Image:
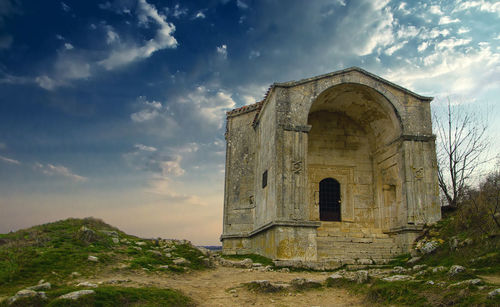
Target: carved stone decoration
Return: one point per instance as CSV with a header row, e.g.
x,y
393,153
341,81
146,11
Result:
x,y
418,173
297,167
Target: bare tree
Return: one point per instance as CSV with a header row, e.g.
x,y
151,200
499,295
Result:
x,y
461,148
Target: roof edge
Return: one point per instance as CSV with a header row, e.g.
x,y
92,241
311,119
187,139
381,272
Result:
x,y
354,68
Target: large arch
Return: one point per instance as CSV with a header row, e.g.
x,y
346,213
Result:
x,y
350,125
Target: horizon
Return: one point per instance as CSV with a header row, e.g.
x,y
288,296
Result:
x,y
116,109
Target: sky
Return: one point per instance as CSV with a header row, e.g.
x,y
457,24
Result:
x,y
116,109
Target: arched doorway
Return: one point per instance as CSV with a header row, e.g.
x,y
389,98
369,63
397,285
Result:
x,y
329,200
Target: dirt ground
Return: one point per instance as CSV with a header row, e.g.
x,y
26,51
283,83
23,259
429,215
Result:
x,y
222,287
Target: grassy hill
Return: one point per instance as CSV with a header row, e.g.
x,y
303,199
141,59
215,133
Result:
x,y
61,251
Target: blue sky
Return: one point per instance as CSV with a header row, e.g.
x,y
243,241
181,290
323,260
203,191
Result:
x,y
115,109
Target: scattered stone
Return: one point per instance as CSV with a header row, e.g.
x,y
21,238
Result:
x,y
453,243
361,277
40,286
466,242
157,253
115,240
137,248
232,291
93,259
429,247
302,283
110,233
429,282
204,251
336,276
245,263
168,255
76,294
163,267
25,293
398,278
284,270
140,243
439,269
87,284
75,274
494,293
420,273
181,261
267,286
475,282
256,265
455,269
115,281
413,260
365,261
86,235
419,267
441,284
399,270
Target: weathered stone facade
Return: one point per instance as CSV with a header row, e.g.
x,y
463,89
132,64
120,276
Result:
x,y
365,141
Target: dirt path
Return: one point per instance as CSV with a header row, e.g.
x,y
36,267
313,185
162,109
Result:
x,y
212,288
492,279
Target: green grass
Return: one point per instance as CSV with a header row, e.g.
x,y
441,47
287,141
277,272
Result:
x,y
53,251
111,296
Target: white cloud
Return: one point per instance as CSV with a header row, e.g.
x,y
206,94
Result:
x,y
8,160
200,15
484,6
145,148
423,46
151,110
163,39
172,168
65,7
68,46
179,11
254,54
447,20
242,5
210,105
433,33
46,82
381,30
407,31
58,170
435,9
463,30
389,51
452,43
222,50
111,35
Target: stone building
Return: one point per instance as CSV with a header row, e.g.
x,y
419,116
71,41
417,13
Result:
x,y
332,169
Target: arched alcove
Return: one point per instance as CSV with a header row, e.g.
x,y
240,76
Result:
x,y
350,125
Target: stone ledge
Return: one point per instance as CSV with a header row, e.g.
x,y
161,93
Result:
x,y
407,228
270,225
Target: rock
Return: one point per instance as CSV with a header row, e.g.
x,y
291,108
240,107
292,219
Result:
x,y
494,293
336,276
398,278
413,260
40,286
75,274
207,262
284,270
466,242
163,266
140,243
24,294
93,259
361,277
87,284
420,273
76,294
453,243
419,267
475,282
110,233
137,248
267,286
455,269
181,261
365,261
115,240
245,263
429,282
204,251
399,270
303,283
429,247
168,255
86,235
157,253
256,265
439,269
